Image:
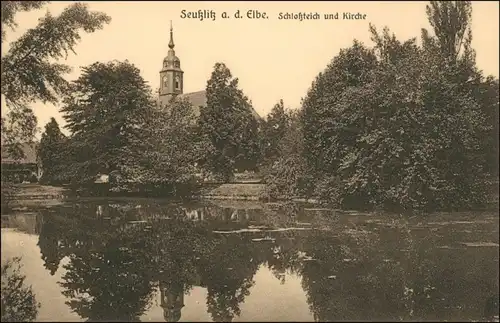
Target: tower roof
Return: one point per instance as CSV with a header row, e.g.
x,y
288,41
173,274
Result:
x,y
171,44
171,60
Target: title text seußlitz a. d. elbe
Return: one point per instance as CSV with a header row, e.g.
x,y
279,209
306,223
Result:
x,y
211,14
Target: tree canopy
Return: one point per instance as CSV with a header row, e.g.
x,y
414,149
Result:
x,y
31,70
402,126
51,152
107,109
229,125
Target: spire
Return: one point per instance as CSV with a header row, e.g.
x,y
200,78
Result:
x,y
171,42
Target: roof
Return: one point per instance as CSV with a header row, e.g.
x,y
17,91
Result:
x,y
30,154
199,99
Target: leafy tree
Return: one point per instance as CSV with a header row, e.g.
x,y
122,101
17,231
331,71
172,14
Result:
x,y
19,126
172,151
51,151
30,71
273,131
401,125
487,96
228,123
419,145
107,109
451,22
351,68
19,303
288,176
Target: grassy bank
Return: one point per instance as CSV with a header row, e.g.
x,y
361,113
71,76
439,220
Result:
x,y
236,191
25,196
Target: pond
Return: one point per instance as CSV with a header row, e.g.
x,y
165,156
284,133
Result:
x,y
150,260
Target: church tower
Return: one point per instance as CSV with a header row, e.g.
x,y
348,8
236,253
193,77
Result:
x,y
171,75
171,300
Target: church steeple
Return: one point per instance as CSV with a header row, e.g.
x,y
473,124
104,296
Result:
x,y
171,75
171,42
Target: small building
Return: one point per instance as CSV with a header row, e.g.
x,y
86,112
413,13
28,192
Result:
x,y
19,170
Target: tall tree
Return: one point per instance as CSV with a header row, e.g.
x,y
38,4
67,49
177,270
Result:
x,y
229,124
30,68
288,176
107,109
273,131
51,151
451,22
173,148
418,147
351,68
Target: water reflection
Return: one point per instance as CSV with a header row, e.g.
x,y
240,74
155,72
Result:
x,y
122,256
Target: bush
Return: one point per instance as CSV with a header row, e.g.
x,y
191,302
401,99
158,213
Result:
x,y
7,193
287,179
18,301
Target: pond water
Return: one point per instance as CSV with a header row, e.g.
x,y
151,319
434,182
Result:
x,y
149,260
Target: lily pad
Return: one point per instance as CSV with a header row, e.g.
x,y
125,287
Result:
x,y
480,244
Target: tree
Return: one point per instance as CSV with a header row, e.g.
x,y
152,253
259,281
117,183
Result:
x,y
351,68
401,126
107,109
51,152
19,303
273,131
487,95
173,149
418,146
451,22
18,127
288,176
228,123
29,73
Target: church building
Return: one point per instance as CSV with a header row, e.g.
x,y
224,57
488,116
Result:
x,y
172,82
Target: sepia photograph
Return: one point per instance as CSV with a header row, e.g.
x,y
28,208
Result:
x,y
251,161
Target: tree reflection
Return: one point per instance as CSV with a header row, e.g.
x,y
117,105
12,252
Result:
x,y
393,273
112,283
108,276
350,269
228,271
48,242
18,300
179,246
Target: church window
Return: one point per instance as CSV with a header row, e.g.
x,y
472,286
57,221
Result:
x,y
165,81
177,82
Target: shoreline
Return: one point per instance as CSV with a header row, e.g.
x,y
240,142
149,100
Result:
x,y
35,196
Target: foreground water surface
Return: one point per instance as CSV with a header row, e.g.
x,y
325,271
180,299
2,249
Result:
x,y
150,260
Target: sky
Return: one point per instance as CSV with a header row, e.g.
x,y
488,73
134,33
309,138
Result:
x,y
273,59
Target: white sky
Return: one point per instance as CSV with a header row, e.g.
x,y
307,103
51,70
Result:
x,y
272,58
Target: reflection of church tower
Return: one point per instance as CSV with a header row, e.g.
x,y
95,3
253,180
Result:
x,y
172,301
171,75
